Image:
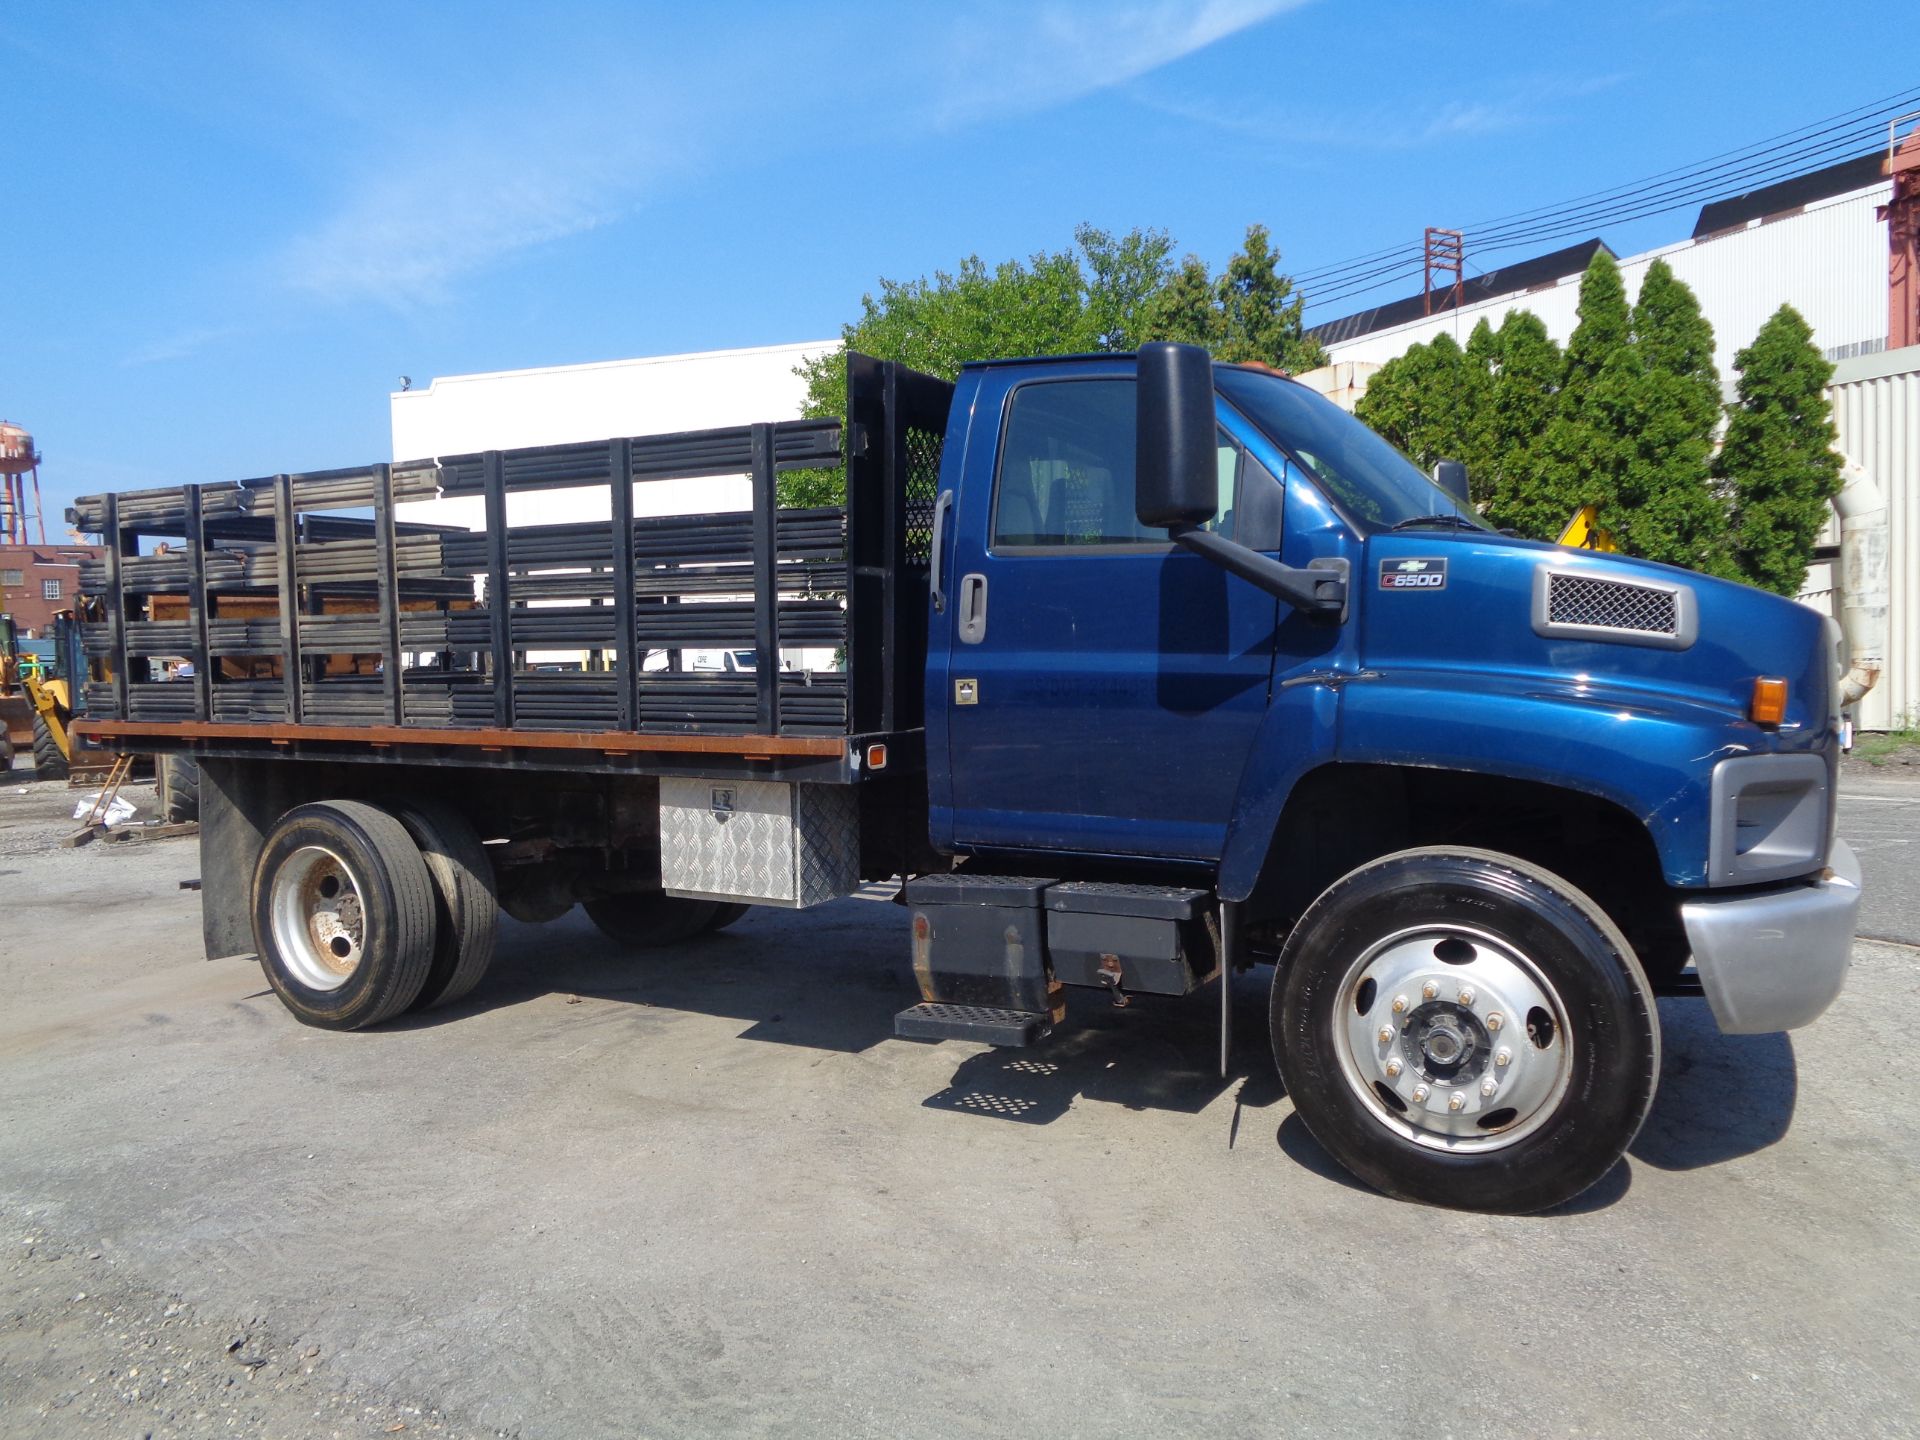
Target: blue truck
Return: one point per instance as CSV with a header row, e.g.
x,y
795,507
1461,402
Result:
x,y
1154,670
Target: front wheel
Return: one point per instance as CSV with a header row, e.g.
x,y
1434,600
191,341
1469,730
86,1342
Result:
x,y
49,760
1462,1028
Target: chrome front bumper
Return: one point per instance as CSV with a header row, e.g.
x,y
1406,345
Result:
x,y
1776,960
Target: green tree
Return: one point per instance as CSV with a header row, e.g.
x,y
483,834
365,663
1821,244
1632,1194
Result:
x,y
1778,459
1260,316
1662,502
1183,309
1581,450
1106,293
1526,397
1431,402
1123,275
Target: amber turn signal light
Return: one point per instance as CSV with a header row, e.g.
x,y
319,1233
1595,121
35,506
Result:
x,y
876,757
1769,705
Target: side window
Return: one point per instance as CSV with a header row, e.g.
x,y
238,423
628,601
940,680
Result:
x,y
1066,468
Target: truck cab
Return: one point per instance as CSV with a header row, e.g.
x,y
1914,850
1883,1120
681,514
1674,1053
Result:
x,y
1198,625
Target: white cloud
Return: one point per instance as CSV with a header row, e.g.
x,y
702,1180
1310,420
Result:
x,y
1401,126
1026,57
178,345
434,204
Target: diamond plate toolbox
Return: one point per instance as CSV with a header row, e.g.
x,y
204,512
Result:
x,y
764,841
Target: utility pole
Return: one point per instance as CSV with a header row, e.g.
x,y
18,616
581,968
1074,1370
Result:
x,y
1446,254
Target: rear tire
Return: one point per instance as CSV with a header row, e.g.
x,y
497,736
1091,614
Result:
x,y
179,789
466,905
648,921
1462,1028
725,914
343,914
48,761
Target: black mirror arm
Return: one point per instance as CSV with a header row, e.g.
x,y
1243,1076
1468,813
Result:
x,y
1316,591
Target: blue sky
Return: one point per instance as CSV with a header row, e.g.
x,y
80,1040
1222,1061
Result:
x,y
231,228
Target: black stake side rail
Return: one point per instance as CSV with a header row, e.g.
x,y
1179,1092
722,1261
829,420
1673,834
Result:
x,y
292,617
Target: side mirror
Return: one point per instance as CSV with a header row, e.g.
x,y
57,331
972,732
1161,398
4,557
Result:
x,y
1451,476
1176,465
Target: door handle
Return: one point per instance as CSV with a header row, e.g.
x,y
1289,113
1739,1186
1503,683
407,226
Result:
x,y
973,609
934,586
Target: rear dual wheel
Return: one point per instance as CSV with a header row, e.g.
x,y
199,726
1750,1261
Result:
x,y
650,921
360,914
1462,1028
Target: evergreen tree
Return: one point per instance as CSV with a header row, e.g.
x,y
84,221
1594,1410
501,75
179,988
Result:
x,y
1260,316
1183,309
1778,460
1416,400
1662,503
1526,396
1582,451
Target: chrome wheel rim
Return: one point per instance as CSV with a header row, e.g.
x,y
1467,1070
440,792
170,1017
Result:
x,y
1453,1038
319,923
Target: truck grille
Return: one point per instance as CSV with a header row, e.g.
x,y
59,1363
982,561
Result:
x,y
1611,605
1579,605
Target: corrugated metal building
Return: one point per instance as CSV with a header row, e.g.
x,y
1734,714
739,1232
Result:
x,y
1876,407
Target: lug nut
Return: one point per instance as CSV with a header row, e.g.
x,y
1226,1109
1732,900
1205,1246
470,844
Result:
x,y
1489,1085
1456,1101
1496,1020
1393,1067
1386,1034
1503,1057
1429,990
1399,1004
1466,997
1420,1093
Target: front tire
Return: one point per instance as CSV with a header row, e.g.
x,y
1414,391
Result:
x,y
49,763
1461,1028
179,788
343,914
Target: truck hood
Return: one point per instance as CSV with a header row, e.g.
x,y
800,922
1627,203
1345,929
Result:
x,y
1472,602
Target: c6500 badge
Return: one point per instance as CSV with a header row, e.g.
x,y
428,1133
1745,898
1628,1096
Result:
x,y
1421,573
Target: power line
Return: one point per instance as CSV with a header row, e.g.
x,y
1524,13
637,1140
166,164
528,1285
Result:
x,y
1877,112
1730,173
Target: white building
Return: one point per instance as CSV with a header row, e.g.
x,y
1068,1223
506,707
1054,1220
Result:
x,y
603,400
1813,242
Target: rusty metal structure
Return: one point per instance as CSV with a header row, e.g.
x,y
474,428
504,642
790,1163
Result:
x,y
19,462
1445,254
1902,214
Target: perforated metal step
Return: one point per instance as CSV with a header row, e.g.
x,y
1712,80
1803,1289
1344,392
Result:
x,y
980,1023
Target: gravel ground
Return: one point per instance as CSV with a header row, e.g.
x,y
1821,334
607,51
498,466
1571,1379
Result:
x,y
706,1193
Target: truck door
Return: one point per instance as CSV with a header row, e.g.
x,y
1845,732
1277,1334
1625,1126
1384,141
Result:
x,y
1103,686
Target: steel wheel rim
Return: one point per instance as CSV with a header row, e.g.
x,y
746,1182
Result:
x,y
318,918
1453,1038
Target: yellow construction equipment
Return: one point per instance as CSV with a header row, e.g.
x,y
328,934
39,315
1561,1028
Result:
x,y
1584,532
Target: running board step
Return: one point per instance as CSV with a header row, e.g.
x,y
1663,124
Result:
x,y
980,1023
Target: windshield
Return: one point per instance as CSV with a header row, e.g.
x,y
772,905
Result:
x,y
1361,473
